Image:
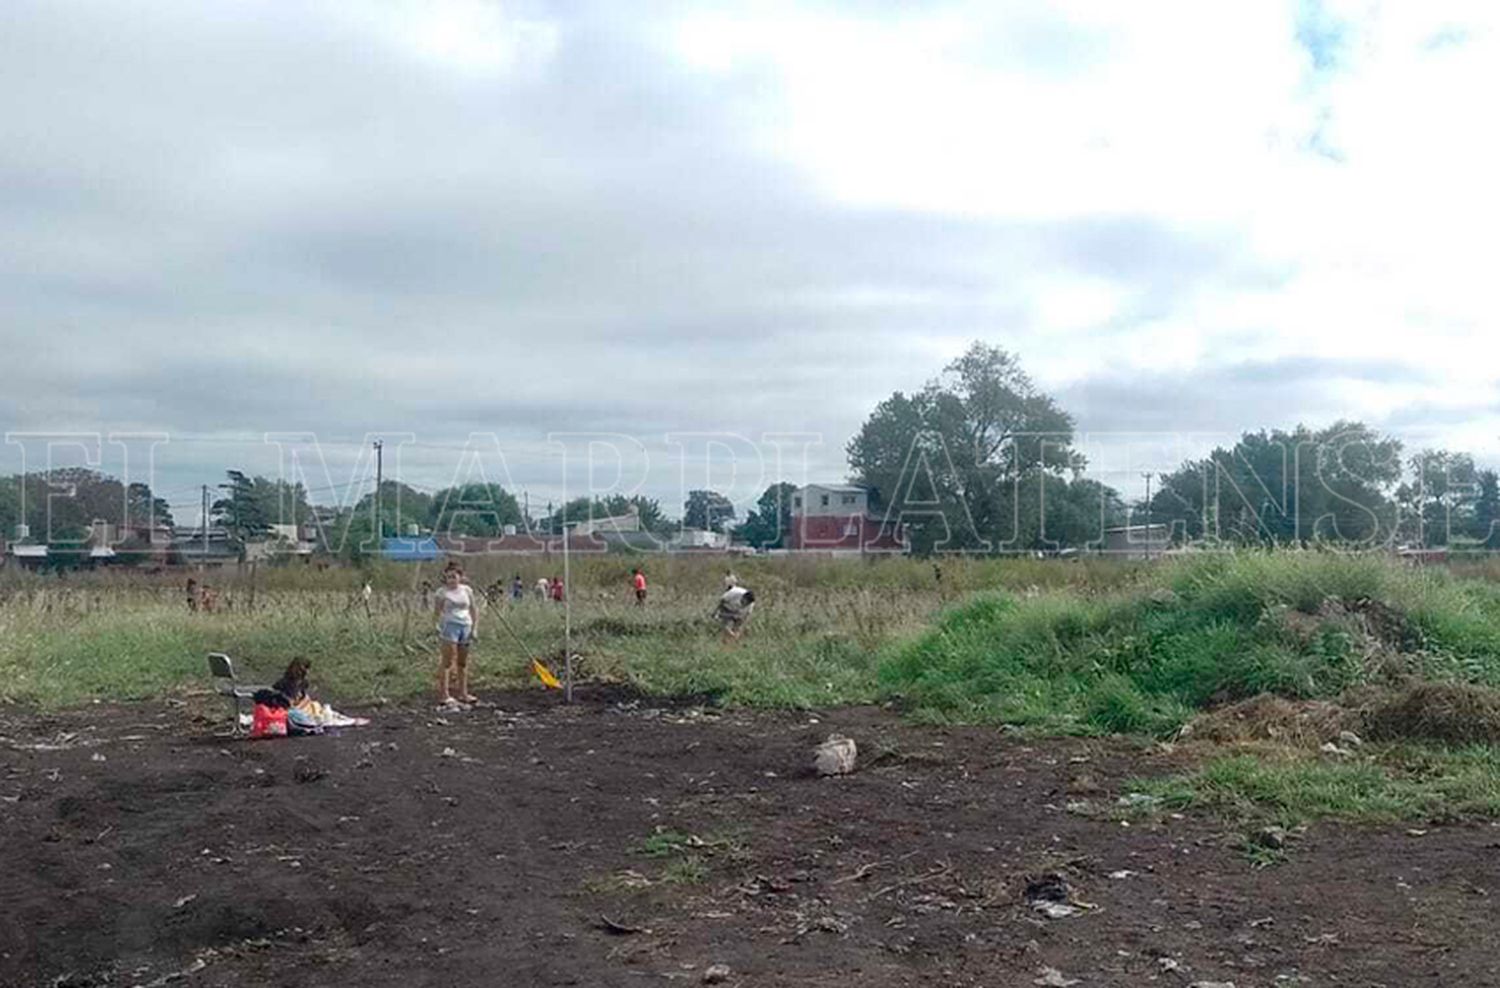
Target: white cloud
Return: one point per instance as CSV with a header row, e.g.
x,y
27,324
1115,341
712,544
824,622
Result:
x,y
654,221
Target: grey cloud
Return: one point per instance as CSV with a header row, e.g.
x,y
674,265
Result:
x,y
255,218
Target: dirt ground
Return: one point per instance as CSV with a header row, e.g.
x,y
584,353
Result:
x,y
508,845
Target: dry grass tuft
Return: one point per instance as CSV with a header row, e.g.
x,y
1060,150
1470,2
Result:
x,y
1452,713
1297,723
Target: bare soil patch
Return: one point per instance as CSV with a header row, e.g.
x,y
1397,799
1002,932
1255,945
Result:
x,y
625,841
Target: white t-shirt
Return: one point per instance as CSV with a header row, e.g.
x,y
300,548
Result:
x,y
733,600
458,603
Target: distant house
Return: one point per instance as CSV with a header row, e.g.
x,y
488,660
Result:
x,y
628,522
29,556
194,547
837,518
284,541
700,538
1137,541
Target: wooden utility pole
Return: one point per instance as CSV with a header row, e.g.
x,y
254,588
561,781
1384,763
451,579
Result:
x,y
379,473
1148,514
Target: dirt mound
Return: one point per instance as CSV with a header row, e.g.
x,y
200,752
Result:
x,y
1267,717
1454,713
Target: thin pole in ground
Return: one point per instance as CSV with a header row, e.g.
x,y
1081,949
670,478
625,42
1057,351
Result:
x,y
567,617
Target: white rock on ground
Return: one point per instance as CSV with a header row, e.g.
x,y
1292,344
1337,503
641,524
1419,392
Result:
x,y
835,756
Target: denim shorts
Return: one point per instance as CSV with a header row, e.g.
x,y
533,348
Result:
x,y
456,632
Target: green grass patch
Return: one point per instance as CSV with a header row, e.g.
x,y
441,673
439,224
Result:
x,y
1405,782
1202,630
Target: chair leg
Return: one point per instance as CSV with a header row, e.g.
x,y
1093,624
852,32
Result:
x,y
237,726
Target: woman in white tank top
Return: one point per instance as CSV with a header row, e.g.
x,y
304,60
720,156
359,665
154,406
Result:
x,y
456,608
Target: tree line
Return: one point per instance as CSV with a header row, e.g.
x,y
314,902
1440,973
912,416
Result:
x,y
979,459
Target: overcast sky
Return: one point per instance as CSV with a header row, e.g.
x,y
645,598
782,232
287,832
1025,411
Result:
x,y
437,218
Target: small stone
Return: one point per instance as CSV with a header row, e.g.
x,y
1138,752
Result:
x,y
835,756
716,974
1051,977
1272,838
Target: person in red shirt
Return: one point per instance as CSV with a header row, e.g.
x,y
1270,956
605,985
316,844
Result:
x,y
557,589
638,580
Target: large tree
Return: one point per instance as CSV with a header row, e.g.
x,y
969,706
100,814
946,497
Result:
x,y
1287,487
616,505
952,461
767,525
1486,528
475,509
251,505
708,510
1438,501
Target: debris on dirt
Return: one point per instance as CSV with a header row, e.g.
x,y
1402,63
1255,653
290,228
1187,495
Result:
x,y
1212,984
1050,887
1303,723
835,756
1350,739
619,929
1139,801
1122,873
1271,838
1048,895
1329,748
1051,977
97,757
716,974
447,753
305,771
184,900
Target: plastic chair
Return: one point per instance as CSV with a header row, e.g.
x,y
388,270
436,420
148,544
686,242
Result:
x,y
221,668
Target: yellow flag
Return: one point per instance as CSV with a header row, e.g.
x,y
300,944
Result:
x,y
545,675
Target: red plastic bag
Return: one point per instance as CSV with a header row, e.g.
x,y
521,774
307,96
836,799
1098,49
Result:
x,y
268,722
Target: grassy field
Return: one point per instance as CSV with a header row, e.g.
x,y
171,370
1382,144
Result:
x,y
818,635
1403,661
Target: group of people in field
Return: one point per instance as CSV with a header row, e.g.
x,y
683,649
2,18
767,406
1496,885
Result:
x,y
456,608
201,597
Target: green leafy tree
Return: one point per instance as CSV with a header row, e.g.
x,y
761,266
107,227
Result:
x,y
708,510
481,510
10,506
241,511
767,525
400,507
1439,500
953,461
1330,485
616,505
143,508
60,506
1486,527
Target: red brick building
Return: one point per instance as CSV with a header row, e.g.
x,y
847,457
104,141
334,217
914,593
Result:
x,y
837,518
